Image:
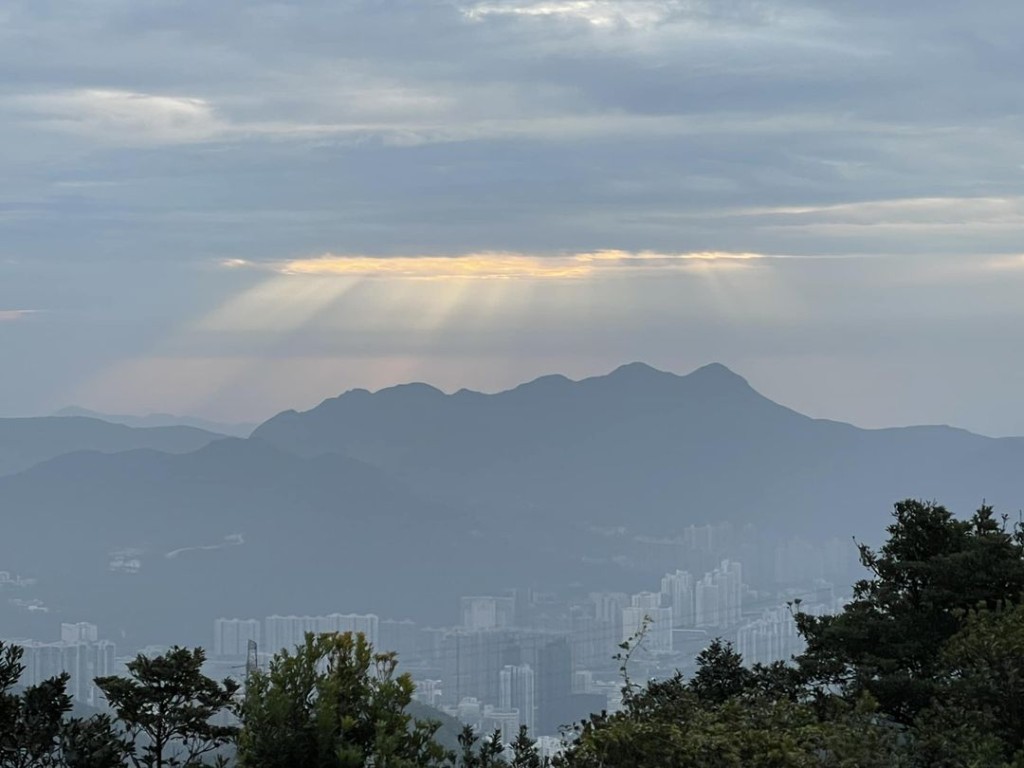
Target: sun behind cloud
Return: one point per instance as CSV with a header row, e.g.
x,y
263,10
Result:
x,y
502,265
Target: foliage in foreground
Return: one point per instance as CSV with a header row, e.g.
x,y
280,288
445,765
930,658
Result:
x,y
35,731
924,667
334,703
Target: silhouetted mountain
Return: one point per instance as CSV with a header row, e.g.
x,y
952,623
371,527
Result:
x,y
653,450
162,420
26,442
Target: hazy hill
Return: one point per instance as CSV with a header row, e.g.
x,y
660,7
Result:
x,y
162,420
653,450
238,528
26,442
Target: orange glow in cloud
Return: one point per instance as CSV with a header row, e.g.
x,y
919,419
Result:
x,y
1014,262
505,265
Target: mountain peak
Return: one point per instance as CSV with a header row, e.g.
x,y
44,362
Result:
x,y
711,375
717,372
637,369
641,375
410,391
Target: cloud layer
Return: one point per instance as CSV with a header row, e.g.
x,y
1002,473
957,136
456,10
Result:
x,y
586,157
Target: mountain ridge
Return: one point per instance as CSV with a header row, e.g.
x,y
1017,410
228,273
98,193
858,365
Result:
x,y
370,492
160,420
27,441
537,445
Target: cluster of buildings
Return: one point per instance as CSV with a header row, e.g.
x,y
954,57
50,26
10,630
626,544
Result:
x,y
516,704
531,658
487,671
713,602
774,637
523,658
535,659
80,654
767,558
232,637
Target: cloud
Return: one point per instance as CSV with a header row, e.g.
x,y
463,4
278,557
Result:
x,y
496,146
117,116
507,266
13,315
1014,262
231,540
600,13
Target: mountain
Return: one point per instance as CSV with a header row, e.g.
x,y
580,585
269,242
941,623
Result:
x,y
162,420
398,501
157,545
26,442
652,450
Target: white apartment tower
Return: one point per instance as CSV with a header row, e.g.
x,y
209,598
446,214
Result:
x,y
647,606
231,636
517,691
678,593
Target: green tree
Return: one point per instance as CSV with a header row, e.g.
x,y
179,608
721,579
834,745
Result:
x,y
747,731
978,713
524,751
93,743
480,753
334,703
720,674
35,731
729,716
166,706
932,569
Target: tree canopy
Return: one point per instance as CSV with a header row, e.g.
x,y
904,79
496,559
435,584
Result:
x,y
167,707
36,732
334,703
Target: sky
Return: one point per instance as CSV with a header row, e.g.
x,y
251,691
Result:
x,y
231,208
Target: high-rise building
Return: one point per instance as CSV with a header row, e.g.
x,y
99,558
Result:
x,y
402,637
608,605
487,612
82,632
83,661
365,624
505,721
718,597
773,637
678,593
517,691
647,600
657,636
473,662
428,692
582,681
231,636
733,595
290,631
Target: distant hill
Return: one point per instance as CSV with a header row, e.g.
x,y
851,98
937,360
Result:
x,y
448,734
163,420
26,442
158,545
653,450
398,501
